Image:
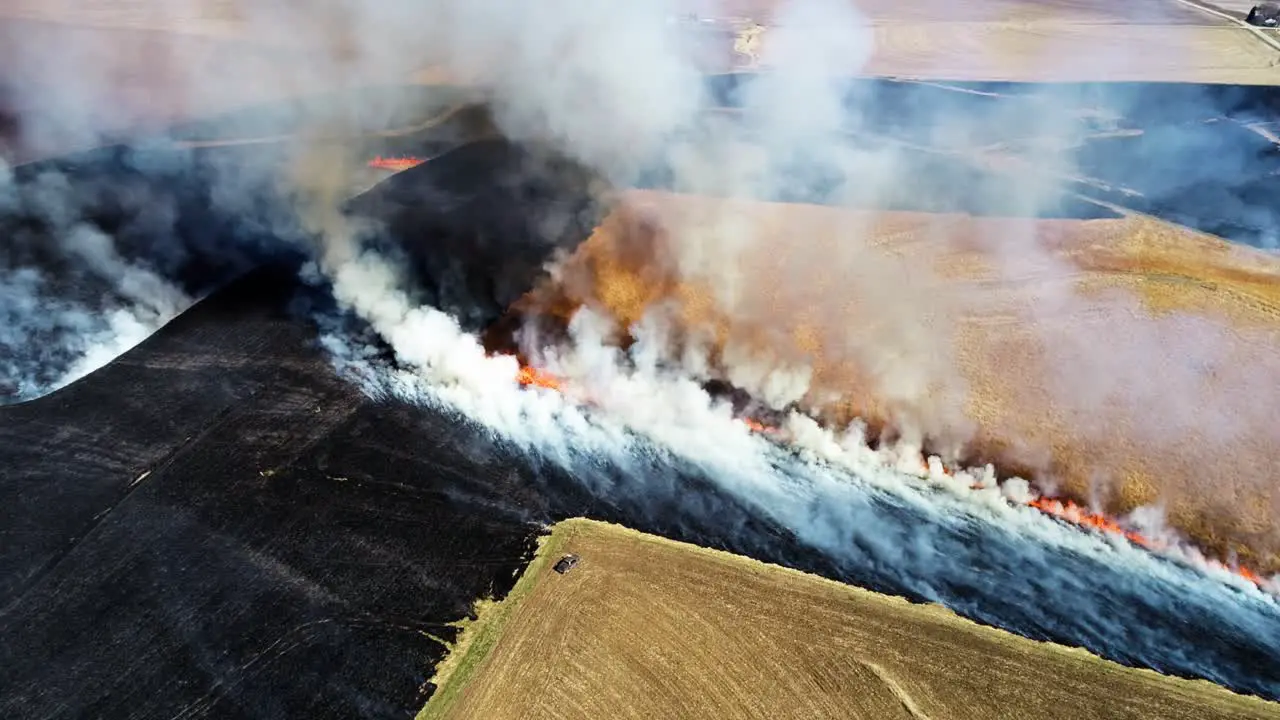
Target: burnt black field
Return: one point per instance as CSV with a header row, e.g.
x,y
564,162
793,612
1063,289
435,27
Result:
x,y
296,549
218,525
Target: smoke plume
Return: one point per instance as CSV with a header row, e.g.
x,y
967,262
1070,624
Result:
x,y
50,338
816,318
796,134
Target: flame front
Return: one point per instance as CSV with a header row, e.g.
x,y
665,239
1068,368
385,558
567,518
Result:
x,y
530,376
1064,510
1077,515
395,163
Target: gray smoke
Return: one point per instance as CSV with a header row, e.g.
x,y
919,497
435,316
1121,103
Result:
x,y
51,337
567,77
615,87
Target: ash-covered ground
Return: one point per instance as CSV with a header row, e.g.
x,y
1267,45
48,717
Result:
x,y
220,524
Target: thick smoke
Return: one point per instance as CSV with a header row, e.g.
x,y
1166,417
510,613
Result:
x,y
615,88
879,517
586,100
49,338
567,76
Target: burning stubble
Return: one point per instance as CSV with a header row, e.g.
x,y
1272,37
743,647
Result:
x,y
1032,366
807,311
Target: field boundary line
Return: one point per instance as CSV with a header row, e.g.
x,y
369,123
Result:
x,y
479,637
1258,33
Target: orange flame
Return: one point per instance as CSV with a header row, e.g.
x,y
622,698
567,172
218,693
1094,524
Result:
x,y
759,427
1065,510
1070,512
529,376
395,163
1248,574
1077,515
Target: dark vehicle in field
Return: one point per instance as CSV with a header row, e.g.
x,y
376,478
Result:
x,y
565,564
1264,15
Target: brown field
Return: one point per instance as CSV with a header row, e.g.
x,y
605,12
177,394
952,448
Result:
x,y
1129,360
1053,40
1166,12
140,64
645,627
1049,50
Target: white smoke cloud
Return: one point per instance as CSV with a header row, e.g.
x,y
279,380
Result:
x,y
569,76
611,85
49,339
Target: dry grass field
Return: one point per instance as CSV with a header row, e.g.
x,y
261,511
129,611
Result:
x,y
146,63
1130,360
645,627
1049,50
1053,40
946,11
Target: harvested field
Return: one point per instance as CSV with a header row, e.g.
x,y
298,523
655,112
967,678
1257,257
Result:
x,y
1164,12
1136,12
647,627
1129,360
1064,41
1051,51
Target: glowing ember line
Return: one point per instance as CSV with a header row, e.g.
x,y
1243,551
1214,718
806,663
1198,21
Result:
x,y
1064,510
397,164
757,426
1077,515
529,376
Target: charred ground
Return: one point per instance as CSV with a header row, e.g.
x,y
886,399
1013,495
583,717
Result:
x,y
218,524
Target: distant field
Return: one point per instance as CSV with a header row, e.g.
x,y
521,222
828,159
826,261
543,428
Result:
x,y
938,11
645,627
1054,40
1048,50
79,67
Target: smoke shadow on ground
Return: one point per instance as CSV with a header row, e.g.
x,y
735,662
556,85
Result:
x,y
478,223
934,183
1186,151
100,244
1181,152
1234,196
197,216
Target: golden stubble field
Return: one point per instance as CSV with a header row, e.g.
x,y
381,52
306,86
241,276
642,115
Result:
x,y
1047,50
1128,361
645,627
126,65
1050,40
